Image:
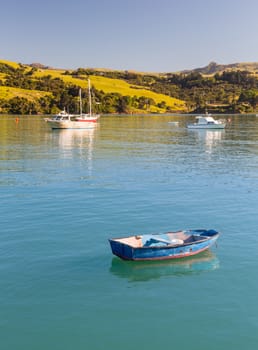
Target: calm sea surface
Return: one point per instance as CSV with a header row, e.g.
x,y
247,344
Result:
x,y
64,193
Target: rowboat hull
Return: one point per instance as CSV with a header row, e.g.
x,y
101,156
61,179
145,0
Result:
x,y
172,245
149,270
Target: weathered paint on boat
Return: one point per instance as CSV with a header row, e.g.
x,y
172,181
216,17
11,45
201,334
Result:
x,y
170,245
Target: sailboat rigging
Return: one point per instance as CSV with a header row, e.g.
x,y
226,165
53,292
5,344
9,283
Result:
x,y
65,120
87,117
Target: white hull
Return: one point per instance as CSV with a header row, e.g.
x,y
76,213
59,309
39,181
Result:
x,y
207,122
64,120
69,124
209,126
88,118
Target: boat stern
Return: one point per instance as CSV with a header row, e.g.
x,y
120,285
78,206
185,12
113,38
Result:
x,y
121,250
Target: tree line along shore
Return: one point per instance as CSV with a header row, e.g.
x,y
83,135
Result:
x,y
36,89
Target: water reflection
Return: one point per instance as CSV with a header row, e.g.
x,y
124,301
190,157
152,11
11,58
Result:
x,y
144,271
76,143
79,138
76,138
209,137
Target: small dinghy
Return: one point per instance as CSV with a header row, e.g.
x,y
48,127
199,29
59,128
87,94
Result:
x,y
163,246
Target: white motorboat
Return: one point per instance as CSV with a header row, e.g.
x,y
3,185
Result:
x,y
61,114
207,122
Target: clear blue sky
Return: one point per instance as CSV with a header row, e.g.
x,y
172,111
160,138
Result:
x,y
142,35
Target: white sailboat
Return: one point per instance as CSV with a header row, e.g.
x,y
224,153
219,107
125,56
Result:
x,y
65,120
87,117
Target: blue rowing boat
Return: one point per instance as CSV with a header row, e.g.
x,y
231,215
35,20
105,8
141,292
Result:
x,y
163,246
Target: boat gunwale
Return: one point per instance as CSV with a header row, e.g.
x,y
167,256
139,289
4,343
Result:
x,y
167,246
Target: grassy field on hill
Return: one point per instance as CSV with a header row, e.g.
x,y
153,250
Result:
x,y
7,93
101,83
109,85
35,88
10,63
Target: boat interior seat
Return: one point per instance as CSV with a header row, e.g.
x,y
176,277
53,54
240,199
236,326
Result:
x,y
156,242
195,238
190,239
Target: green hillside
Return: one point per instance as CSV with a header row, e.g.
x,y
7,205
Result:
x,y
8,93
155,102
37,89
10,63
108,85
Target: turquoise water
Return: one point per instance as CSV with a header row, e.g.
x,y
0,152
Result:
x,y
64,193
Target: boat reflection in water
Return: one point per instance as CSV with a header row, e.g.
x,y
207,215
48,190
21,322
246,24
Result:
x,y
80,141
211,138
69,138
146,270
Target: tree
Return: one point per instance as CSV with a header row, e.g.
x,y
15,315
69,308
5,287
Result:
x,y
20,105
249,96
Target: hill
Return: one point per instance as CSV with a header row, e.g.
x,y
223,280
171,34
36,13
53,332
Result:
x,y
43,82
38,89
213,68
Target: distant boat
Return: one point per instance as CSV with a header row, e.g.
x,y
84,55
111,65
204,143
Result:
x,y
64,120
87,117
207,122
163,246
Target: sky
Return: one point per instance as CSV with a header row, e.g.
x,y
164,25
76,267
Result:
x,y
140,35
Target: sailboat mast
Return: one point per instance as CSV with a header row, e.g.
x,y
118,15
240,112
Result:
x,y
80,96
89,97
